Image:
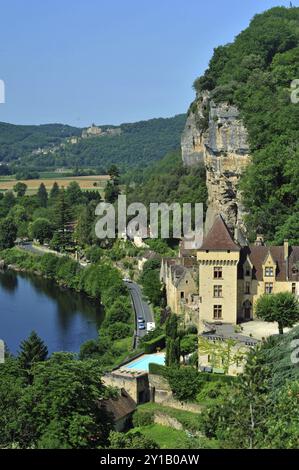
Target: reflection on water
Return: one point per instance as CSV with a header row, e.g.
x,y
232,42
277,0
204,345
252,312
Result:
x,y
63,318
9,281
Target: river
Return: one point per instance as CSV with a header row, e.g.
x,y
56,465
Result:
x,y
64,319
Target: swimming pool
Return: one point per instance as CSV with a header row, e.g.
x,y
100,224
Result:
x,y
143,362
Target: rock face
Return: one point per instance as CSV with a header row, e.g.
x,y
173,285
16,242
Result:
x,y
216,136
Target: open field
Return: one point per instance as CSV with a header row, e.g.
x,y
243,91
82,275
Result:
x,y
86,182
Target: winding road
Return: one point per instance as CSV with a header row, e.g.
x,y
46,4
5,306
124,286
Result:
x,y
141,307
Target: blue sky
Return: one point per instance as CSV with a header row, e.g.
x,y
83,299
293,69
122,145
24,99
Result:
x,y
110,61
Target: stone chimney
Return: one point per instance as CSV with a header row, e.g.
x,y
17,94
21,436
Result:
x,y
286,257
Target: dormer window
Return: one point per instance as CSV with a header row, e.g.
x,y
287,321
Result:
x,y
269,271
295,269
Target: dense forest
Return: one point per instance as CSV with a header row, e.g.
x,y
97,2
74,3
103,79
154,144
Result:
x,y
138,144
255,72
17,141
168,180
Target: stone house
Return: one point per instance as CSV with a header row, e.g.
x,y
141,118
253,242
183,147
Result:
x,y
134,382
232,278
222,349
225,279
180,279
120,409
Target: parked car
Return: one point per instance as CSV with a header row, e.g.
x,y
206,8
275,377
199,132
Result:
x,y
140,319
141,326
126,279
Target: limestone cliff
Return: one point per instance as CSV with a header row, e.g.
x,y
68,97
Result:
x,y
216,136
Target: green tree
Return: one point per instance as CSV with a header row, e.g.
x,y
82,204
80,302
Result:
x,y
62,406
111,192
113,172
188,345
8,201
41,229
150,281
282,308
12,384
8,233
184,382
32,350
42,195
20,189
239,419
119,330
62,215
74,194
172,341
54,192
85,225
282,421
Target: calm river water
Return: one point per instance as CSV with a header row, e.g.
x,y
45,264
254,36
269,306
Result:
x,y
62,318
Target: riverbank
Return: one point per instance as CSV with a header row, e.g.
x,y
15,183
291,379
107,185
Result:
x,y
101,282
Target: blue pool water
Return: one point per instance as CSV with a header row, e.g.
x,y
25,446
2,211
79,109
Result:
x,y
143,362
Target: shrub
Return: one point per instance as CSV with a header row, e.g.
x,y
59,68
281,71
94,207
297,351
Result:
x,y
157,369
119,330
152,345
212,391
142,418
184,382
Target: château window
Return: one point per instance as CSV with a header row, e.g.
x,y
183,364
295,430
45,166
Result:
x,y
247,272
247,288
217,291
269,271
182,295
218,272
217,313
268,287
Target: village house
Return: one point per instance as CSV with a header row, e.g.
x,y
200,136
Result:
x,y
179,276
121,409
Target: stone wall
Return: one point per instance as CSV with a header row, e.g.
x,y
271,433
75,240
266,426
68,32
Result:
x,y
165,420
135,384
161,393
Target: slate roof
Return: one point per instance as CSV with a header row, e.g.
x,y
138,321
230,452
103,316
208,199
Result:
x,y
258,255
219,238
121,406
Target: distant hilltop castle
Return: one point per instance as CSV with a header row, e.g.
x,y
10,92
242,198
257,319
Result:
x,y
92,131
95,131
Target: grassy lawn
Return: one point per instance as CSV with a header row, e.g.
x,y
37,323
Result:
x,y
168,438
189,420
